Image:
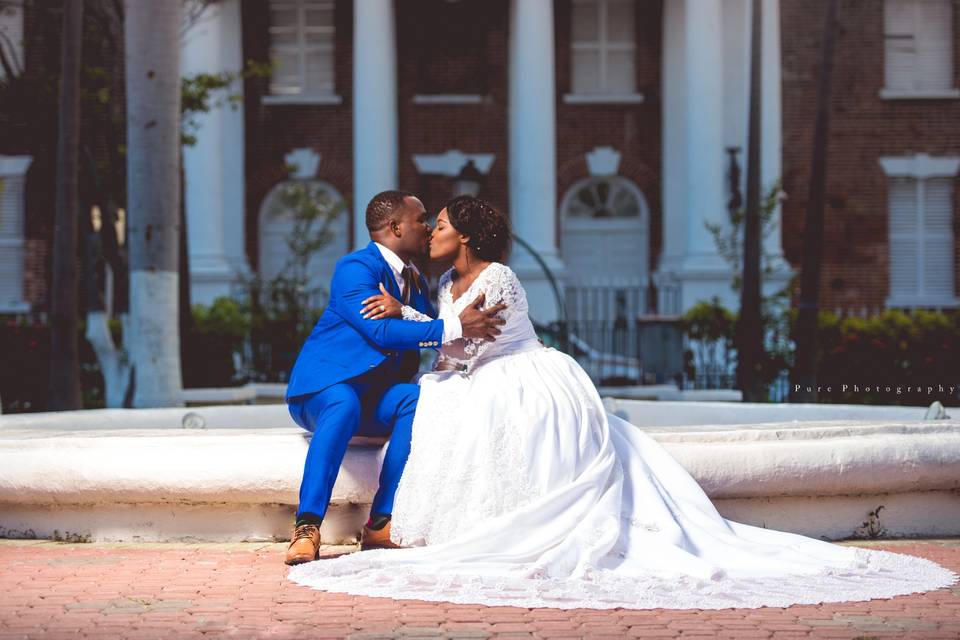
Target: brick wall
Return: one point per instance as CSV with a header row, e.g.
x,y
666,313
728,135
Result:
x,y
33,131
274,130
448,48
863,128
631,129
438,53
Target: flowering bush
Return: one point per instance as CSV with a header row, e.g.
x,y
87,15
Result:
x,y
895,348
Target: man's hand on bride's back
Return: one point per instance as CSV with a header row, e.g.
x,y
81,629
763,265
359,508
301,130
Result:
x,y
481,323
381,306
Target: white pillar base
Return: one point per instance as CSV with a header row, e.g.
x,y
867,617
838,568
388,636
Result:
x,y
702,277
541,297
213,277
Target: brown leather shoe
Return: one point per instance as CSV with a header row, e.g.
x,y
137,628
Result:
x,y
377,539
304,544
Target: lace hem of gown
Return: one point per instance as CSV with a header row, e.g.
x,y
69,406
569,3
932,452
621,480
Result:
x,y
527,493
873,574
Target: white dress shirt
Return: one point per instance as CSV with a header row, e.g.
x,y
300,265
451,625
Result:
x,y
452,329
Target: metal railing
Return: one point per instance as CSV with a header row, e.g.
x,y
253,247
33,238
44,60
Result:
x,y
621,333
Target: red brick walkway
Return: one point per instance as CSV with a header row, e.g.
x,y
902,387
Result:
x,y
51,590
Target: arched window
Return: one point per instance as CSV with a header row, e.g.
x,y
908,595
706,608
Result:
x,y
605,231
278,221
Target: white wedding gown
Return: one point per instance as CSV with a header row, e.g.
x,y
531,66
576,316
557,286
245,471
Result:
x,y
521,490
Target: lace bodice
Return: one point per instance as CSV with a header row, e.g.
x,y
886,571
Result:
x,y
499,284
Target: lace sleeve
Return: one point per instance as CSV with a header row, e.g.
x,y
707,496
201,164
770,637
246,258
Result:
x,y
502,286
409,313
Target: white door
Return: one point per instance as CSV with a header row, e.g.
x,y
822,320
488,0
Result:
x,y
605,232
605,246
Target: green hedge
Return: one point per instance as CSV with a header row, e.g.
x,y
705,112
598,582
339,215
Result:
x,y
902,350
899,349
274,333
218,331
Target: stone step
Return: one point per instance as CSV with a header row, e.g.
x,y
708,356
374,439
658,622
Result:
x,y
111,483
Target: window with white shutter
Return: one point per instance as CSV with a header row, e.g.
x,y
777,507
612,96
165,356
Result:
x,y
13,171
921,239
918,49
603,50
302,50
11,36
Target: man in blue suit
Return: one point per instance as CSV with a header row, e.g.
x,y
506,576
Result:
x,y
352,376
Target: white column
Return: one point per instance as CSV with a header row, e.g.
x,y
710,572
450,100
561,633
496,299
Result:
x,y
693,150
674,181
772,138
533,151
214,166
703,121
375,145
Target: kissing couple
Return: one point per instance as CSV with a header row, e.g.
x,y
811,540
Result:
x,y
505,481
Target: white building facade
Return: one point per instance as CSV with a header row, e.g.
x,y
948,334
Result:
x,y
703,97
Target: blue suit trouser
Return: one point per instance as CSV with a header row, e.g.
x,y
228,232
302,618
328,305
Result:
x,y
369,405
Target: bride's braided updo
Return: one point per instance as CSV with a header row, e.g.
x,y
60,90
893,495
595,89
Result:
x,y
487,228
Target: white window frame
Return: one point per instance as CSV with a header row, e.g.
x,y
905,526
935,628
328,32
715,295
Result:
x,y
13,175
899,93
921,167
601,46
11,26
301,49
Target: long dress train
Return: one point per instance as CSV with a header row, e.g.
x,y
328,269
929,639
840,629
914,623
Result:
x,y
522,490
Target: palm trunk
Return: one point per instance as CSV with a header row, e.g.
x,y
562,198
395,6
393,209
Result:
x,y
750,326
64,349
805,369
152,47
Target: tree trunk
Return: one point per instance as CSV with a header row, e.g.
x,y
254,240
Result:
x,y
804,374
750,327
152,46
186,314
64,349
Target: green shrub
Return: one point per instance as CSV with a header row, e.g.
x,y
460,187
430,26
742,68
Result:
x,y
897,348
711,328
218,332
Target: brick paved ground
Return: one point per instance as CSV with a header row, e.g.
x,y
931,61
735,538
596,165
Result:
x,y
54,590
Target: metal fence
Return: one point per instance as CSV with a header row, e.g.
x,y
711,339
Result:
x,y
622,333
715,365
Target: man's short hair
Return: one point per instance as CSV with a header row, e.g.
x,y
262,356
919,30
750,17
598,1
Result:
x,y
383,207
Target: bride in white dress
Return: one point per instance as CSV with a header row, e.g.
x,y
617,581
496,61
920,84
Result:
x,y
521,489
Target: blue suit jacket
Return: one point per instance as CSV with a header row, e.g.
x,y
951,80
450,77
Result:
x,y
343,345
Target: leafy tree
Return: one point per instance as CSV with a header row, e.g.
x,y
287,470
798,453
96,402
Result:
x,y
284,308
